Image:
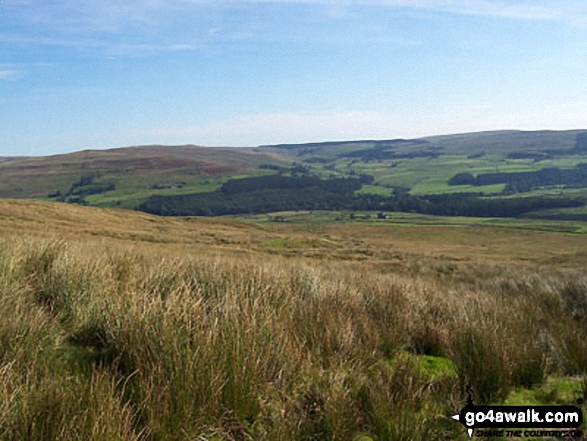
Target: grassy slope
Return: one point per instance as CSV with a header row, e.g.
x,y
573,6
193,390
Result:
x,y
124,326
533,222
431,235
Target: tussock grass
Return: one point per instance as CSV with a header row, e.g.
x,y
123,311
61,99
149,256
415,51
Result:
x,y
113,340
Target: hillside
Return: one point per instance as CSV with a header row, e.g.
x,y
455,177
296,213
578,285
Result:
x,y
394,175
130,169
505,141
509,141
306,235
12,158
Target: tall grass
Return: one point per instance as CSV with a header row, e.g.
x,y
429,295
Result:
x,y
126,342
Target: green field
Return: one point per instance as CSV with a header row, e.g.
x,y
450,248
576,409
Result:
x,y
430,175
132,193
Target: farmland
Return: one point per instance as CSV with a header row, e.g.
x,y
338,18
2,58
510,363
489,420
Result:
x,y
500,165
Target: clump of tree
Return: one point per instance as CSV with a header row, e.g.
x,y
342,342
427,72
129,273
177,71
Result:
x,y
517,182
462,179
366,179
160,186
84,187
273,182
97,188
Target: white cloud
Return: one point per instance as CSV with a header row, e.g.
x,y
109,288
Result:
x,y
52,41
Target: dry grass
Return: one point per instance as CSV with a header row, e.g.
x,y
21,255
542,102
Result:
x,y
123,326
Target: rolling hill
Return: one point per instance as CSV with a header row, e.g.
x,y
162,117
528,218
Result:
x,y
12,158
135,172
502,164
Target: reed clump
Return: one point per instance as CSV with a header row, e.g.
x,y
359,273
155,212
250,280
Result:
x,y
106,340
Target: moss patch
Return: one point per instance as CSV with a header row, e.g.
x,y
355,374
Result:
x,y
428,367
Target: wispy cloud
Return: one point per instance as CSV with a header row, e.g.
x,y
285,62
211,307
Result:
x,y
151,26
505,9
11,75
109,46
52,41
571,10
110,15
129,48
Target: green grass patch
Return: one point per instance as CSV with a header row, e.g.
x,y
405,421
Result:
x,y
428,367
276,242
557,391
554,391
376,190
436,187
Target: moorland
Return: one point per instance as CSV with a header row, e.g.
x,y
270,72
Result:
x,y
123,325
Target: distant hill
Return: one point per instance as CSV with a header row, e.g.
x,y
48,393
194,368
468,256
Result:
x,y
12,158
494,164
505,141
129,168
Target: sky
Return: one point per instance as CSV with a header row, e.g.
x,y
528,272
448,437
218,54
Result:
x,y
82,74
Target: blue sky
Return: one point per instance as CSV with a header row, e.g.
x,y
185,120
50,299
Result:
x,y
81,74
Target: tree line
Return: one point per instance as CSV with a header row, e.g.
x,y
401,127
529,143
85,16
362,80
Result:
x,y
267,194
517,182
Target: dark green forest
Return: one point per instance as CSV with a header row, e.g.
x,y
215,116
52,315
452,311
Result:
x,y
266,194
517,182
